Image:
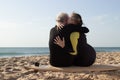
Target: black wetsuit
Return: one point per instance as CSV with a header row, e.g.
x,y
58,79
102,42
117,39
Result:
x,y
61,57
86,55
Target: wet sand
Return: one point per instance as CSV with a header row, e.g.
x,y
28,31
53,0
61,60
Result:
x,y
12,69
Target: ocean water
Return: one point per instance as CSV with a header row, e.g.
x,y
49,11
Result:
x,y
23,51
33,51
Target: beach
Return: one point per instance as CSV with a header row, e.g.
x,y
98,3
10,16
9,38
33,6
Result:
x,y
12,68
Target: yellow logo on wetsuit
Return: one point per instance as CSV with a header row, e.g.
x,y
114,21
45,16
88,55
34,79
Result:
x,y
74,36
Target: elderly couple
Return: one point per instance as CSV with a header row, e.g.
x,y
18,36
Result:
x,y
67,43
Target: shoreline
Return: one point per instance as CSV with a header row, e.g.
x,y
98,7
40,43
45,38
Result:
x,y
44,54
23,56
12,69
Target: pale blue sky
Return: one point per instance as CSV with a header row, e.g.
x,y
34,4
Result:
x,y
26,23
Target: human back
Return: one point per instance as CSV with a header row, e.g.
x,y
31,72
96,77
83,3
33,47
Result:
x,y
59,56
85,54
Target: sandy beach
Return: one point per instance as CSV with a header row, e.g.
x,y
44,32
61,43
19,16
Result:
x,y
12,69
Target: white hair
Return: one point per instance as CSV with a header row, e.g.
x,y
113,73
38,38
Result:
x,y
61,17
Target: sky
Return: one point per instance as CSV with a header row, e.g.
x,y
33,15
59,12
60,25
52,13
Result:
x,y
27,23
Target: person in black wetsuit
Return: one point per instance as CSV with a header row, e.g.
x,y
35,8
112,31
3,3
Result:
x,y
57,53
61,55
86,54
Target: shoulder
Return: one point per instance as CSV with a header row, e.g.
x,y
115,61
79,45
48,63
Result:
x,y
53,28
85,29
69,26
52,31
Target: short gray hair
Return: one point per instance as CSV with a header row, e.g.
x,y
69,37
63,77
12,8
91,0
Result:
x,y
61,17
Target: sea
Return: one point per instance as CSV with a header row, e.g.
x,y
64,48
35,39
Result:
x,y
35,51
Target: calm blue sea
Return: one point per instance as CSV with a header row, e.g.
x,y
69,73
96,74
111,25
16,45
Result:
x,y
33,51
